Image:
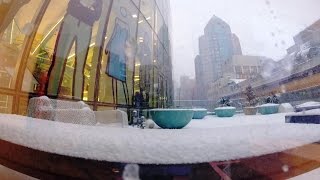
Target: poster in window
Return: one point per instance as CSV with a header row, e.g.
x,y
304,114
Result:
x,y
116,50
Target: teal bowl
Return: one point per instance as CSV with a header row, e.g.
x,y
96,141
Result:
x,y
268,109
199,113
171,118
225,111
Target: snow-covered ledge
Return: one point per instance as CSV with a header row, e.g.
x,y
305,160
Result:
x,y
156,146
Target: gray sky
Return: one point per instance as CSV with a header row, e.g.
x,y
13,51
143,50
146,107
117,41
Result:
x,y
264,27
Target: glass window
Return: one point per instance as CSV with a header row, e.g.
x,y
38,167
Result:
x,y
17,22
238,69
160,4
118,59
144,62
6,104
246,69
159,24
136,2
60,59
254,69
147,8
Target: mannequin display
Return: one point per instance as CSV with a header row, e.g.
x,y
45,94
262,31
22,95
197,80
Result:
x,y
116,49
76,28
8,10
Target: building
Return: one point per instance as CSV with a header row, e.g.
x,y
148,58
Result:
x,y
243,67
309,37
205,64
237,50
187,92
103,55
236,70
216,46
200,91
307,45
293,49
294,78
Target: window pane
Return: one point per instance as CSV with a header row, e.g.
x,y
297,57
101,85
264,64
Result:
x,y
147,8
6,104
60,60
117,67
145,60
17,20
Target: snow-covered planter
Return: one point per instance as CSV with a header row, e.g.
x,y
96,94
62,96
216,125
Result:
x,y
225,111
250,110
268,109
252,102
199,113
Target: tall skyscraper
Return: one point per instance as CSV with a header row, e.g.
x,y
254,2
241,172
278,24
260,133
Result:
x,y
200,95
216,46
236,45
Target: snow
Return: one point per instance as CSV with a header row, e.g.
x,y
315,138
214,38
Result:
x,y
213,139
212,122
199,109
285,108
309,112
171,110
313,111
222,108
237,81
308,104
312,175
268,105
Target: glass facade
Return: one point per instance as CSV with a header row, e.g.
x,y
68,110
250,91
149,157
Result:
x,y
104,55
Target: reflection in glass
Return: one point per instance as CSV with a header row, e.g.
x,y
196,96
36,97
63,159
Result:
x,y
76,27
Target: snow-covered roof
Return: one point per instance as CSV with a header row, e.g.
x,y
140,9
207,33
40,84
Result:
x,y
211,139
237,81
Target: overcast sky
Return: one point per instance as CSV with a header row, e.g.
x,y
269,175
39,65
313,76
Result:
x,y
264,27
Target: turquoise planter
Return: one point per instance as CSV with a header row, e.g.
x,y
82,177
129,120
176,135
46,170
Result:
x,y
171,118
225,112
268,109
146,113
199,113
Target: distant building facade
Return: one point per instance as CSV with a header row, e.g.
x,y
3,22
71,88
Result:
x,y
216,47
306,47
187,92
243,67
200,92
217,41
237,50
236,70
310,37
